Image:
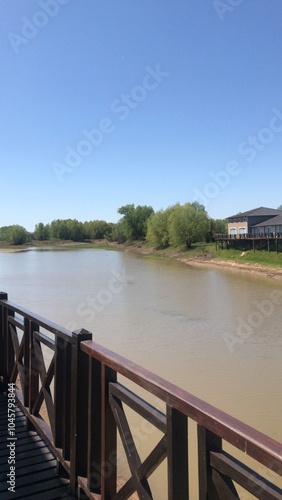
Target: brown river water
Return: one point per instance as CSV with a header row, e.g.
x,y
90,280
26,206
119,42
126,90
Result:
x,y
214,333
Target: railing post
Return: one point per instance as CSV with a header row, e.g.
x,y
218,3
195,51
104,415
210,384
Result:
x,y
207,441
26,363
79,409
33,371
3,336
109,438
10,352
62,395
62,399
94,427
177,454
212,485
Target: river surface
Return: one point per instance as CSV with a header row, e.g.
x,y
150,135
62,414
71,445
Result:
x,y
212,332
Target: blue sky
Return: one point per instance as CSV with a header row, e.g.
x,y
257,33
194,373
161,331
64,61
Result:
x,y
116,102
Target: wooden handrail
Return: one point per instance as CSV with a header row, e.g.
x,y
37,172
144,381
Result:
x,y
252,442
39,320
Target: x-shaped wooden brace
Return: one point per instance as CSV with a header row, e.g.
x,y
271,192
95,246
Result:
x,y
46,379
18,349
224,486
139,471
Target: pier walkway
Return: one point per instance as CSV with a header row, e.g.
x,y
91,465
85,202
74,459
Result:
x,y
35,466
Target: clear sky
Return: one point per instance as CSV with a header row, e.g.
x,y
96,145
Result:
x,y
105,103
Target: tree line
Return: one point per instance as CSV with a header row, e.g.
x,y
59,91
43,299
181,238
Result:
x,y
178,226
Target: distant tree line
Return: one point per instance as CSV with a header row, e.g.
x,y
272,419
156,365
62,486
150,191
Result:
x,y
178,226
72,229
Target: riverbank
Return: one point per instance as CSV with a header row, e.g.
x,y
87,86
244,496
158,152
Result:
x,y
199,256
255,269
206,257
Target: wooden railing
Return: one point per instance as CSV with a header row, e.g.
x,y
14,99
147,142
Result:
x,y
244,236
50,386
87,408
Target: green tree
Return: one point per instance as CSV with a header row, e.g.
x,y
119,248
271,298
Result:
x,y
41,232
134,221
54,229
217,226
187,225
198,206
5,232
66,229
74,230
157,229
63,230
117,233
18,235
97,229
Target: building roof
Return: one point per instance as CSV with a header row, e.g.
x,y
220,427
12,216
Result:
x,y
274,221
261,211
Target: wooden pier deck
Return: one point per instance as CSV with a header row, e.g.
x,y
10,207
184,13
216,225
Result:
x,y
249,241
35,464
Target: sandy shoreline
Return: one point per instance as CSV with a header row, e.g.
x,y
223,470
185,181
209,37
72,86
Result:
x,y
255,269
10,250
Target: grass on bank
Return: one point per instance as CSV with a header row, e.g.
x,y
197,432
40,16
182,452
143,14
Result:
x,y
208,251
260,257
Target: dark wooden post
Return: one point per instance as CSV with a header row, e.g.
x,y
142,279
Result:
x,y
3,296
94,427
79,409
33,372
10,352
210,481
177,454
62,398
67,403
59,397
207,442
62,394
26,362
109,438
